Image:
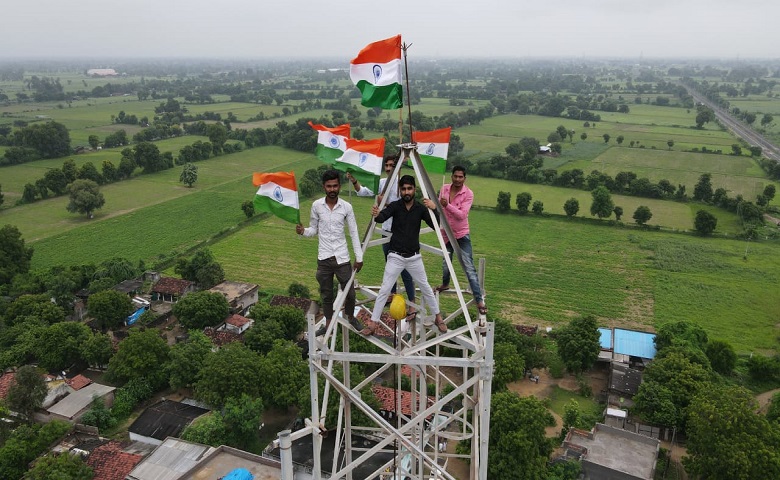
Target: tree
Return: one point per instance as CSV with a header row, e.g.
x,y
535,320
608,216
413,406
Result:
x,y
562,131
85,197
538,207
503,202
736,149
602,205
670,143
94,141
143,354
298,290
242,418
55,180
618,212
88,171
705,115
583,136
186,359
110,308
571,207
767,119
189,174
523,201
59,346
769,192
728,440
620,139
705,223
230,372
14,255
25,444
201,309
722,356
509,366
262,336
147,156
97,350
202,269
109,172
578,343
642,215
518,446
248,207
27,391
30,193
606,137
217,134
703,189
62,466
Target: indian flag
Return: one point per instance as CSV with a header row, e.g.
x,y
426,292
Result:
x,y
363,159
331,142
433,148
377,73
277,195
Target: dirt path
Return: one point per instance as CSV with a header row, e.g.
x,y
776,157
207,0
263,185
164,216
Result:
x,y
764,399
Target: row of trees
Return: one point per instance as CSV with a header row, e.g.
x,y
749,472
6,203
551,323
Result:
x,y
47,140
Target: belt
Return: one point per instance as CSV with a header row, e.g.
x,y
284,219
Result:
x,y
405,254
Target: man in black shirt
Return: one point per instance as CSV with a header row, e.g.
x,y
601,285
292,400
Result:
x,y
404,254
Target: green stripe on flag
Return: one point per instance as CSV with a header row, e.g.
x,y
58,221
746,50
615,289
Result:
x,y
389,97
434,164
365,178
326,154
268,204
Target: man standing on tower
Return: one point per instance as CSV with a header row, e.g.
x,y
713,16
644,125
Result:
x,y
329,217
456,199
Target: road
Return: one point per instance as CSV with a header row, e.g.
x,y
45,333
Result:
x,y
770,150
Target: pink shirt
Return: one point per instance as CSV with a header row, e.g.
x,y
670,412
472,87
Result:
x,y
457,210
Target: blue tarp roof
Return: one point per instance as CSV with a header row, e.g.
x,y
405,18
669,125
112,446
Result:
x,y
637,344
239,474
606,338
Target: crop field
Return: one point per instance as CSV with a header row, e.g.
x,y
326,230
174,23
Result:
x,y
546,271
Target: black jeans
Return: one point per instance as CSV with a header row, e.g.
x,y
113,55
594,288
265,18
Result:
x,y
326,269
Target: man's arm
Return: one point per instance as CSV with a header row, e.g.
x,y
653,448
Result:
x,y
353,233
386,212
432,207
314,223
360,190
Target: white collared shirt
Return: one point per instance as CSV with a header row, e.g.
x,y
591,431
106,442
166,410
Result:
x,y
329,226
392,196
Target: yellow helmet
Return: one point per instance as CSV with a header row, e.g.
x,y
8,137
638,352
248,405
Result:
x,y
398,307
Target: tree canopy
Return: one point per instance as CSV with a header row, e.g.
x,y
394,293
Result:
x,y
230,372
201,309
579,343
110,308
15,256
85,197
602,205
27,391
142,354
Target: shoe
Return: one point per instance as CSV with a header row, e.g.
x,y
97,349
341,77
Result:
x,y
442,288
482,309
441,325
321,331
355,323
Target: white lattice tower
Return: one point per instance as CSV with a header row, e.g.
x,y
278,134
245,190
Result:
x,y
458,410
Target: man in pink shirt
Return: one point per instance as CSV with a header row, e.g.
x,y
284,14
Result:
x,y
456,199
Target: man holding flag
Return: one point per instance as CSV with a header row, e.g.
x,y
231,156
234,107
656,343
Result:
x,y
329,217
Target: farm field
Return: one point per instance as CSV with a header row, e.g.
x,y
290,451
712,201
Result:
x,y
546,271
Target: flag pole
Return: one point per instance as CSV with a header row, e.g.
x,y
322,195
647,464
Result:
x,y
405,47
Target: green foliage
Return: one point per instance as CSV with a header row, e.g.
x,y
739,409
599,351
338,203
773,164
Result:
x,y
85,197
705,222
509,366
773,413
578,344
722,356
502,205
201,309
538,207
518,446
285,375
25,444
602,204
97,349
242,419
62,466
27,392
14,255
230,372
208,430
680,333
764,368
728,440
248,207
98,416
523,201
129,396
202,269
642,215
189,174
290,319
110,308
571,207
703,189
143,354
187,358
59,346
298,290
571,417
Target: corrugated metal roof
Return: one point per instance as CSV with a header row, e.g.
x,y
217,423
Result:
x,y
636,344
606,338
69,406
170,460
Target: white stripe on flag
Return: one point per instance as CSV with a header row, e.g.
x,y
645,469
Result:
x,y
379,74
279,194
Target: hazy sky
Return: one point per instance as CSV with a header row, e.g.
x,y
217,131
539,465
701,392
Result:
x,y
723,29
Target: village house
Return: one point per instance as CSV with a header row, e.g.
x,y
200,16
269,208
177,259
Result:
x,y
236,324
169,289
74,405
240,296
162,420
612,453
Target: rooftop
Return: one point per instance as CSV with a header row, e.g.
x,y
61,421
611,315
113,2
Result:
x,y
624,379
109,462
634,343
616,449
233,290
224,459
170,460
237,320
129,286
5,383
78,382
71,405
300,303
165,419
172,286
387,397
221,337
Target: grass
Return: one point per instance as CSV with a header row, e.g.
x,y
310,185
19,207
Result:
x,y
560,397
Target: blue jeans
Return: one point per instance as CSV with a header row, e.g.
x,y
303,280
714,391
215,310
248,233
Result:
x,y
405,277
464,243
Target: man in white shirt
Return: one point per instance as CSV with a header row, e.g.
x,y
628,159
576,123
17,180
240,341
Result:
x,y
329,216
392,195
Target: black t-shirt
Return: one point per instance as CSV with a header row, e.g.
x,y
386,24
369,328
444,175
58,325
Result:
x,y
406,224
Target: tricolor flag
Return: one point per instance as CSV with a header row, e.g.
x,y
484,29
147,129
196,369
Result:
x,y
363,159
277,195
331,142
377,73
433,148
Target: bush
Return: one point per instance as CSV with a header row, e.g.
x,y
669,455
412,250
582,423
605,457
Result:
x,y
298,290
